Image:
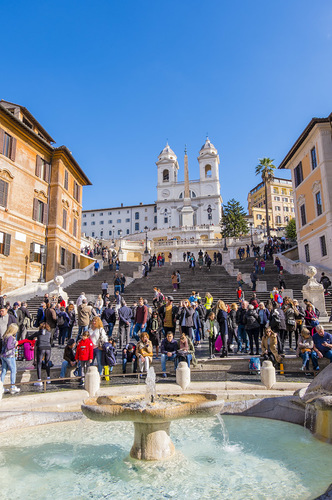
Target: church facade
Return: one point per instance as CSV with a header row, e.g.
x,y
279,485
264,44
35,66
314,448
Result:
x,y
187,203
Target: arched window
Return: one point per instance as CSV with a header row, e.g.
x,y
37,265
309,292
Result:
x,y
166,175
208,171
192,194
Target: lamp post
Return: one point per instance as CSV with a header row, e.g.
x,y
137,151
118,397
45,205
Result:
x,y
120,234
113,241
26,269
252,241
263,224
42,262
146,251
224,234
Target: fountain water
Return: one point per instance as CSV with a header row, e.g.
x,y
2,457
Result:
x,y
152,416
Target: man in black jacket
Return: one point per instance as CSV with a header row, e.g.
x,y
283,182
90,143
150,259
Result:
x,y
108,315
168,314
125,314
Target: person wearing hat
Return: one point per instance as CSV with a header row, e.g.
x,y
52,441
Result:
x,y
168,314
68,357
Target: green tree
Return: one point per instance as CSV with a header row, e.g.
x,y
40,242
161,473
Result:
x,y
233,222
265,169
290,230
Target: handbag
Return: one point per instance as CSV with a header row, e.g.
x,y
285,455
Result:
x,y
218,344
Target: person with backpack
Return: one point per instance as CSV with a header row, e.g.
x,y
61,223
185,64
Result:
x,y
84,354
251,321
63,321
43,351
108,316
68,357
9,344
109,355
222,317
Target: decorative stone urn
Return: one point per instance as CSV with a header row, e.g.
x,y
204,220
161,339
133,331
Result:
x,y
314,291
59,292
152,419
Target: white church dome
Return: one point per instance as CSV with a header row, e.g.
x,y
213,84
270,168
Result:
x,y
168,153
208,146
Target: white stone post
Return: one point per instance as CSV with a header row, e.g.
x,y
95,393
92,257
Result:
x,y
183,375
268,374
92,381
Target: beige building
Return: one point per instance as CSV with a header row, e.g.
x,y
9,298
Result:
x,y
280,204
310,161
40,202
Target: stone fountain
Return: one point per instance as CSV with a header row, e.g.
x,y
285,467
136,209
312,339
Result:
x,y
152,415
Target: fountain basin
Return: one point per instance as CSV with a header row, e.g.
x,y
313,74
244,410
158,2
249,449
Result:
x,y
151,419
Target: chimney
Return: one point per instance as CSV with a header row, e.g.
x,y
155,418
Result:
x,y
140,203
122,204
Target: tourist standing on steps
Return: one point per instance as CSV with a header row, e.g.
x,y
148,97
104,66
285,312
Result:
x,y
241,331
178,276
326,282
99,304
108,316
51,320
253,277
83,317
211,329
117,284
141,318
104,288
251,321
232,327
98,338
43,351
9,344
168,315
270,347
174,279
170,258
221,312
123,282
208,303
124,323
186,320
96,266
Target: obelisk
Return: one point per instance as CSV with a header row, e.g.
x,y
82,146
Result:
x,y
187,210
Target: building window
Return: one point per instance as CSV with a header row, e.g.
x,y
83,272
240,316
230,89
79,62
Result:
x,y
303,215
145,218
101,233
286,219
75,227
77,192
136,215
43,169
127,220
3,193
136,226
307,253
208,171
109,233
127,231
127,211
275,190
298,174
109,213
39,212
93,234
84,216
101,222
110,222
323,245
93,223
118,221
7,145
119,232
155,219
118,211
64,219
35,253
5,244
278,209
65,184
84,223
319,206
165,176
313,158
278,219
284,191
62,256
145,210
165,220
286,209
73,261
155,209
285,200
92,215
101,213
277,198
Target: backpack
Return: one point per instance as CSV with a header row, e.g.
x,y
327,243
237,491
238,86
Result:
x,y
61,320
109,354
254,365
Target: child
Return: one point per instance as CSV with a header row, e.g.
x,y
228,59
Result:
x,y
84,354
154,331
211,327
305,349
129,356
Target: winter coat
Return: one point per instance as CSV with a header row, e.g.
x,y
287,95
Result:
x,y
222,321
188,313
251,319
108,315
144,349
273,346
207,326
240,315
84,351
290,319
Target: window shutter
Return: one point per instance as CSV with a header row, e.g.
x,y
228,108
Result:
x,y
47,172
3,193
32,252
2,136
35,209
45,213
38,165
6,250
13,149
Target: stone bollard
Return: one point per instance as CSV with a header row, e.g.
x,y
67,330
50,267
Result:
x,y
183,375
92,381
268,374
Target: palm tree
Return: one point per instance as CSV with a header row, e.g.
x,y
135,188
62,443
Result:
x,y
266,170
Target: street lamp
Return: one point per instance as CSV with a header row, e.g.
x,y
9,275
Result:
x,y
120,234
263,224
42,262
224,234
209,211
252,241
146,251
113,241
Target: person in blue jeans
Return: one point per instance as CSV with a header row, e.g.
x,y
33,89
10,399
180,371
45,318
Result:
x,y
305,348
168,349
241,330
129,356
322,343
140,318
68,357
9,344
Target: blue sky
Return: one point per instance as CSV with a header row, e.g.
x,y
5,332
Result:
x,y
114,80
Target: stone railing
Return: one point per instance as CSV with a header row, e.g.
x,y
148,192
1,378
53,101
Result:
x,y
33,289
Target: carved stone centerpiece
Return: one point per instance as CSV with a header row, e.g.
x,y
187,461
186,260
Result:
x,y
314,291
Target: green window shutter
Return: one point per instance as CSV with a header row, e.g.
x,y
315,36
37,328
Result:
x,y
7,239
